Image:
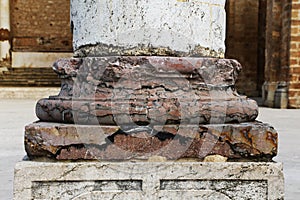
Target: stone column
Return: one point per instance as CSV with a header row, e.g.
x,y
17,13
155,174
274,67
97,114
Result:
x,y
170,28
148,82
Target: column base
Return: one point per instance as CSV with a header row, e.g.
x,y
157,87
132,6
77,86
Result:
x,y
121,90
253,141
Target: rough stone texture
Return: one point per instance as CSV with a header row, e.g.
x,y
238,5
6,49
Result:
x,y
146,180
143,90
128,111
169,27
249,141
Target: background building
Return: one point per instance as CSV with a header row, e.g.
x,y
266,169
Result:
x,y
264,35
39,33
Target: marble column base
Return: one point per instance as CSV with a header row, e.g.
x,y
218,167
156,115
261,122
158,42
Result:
x,y
148,180
116,90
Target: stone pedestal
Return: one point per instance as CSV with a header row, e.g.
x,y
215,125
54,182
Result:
x,y
137,107
142,88
148,180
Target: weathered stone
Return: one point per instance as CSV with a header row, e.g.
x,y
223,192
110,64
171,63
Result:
x,y
252,141
170,111
144,108
215,158
211,71
148,180
168,27
143,90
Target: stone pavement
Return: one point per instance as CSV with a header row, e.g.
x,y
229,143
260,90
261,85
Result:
x,y
287,123
15,114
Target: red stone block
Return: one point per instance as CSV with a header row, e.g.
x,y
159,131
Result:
x,y
250,141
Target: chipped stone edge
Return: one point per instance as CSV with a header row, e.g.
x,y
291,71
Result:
x,y
100,49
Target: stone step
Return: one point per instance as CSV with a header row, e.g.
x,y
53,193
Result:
x,y
36,93
29,77
32,74
30,70
25,82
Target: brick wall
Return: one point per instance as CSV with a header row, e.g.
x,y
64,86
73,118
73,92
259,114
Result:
x,y
264,35
242,42
40,25
294,86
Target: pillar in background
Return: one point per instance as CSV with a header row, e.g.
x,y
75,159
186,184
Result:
x,y
277,53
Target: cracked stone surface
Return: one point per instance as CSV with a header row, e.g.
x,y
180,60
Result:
x,y
148,180
147,90
168,27
121,100
248,141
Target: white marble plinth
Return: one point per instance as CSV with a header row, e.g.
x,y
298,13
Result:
x,y
148,180
168,27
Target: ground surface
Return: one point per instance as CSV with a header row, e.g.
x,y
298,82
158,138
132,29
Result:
x,y
15,114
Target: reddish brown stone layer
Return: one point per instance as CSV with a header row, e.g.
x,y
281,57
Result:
x,y
117,90
102,77
75,142
158,111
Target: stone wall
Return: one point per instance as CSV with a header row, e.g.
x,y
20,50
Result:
x,y
40,25
294,86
